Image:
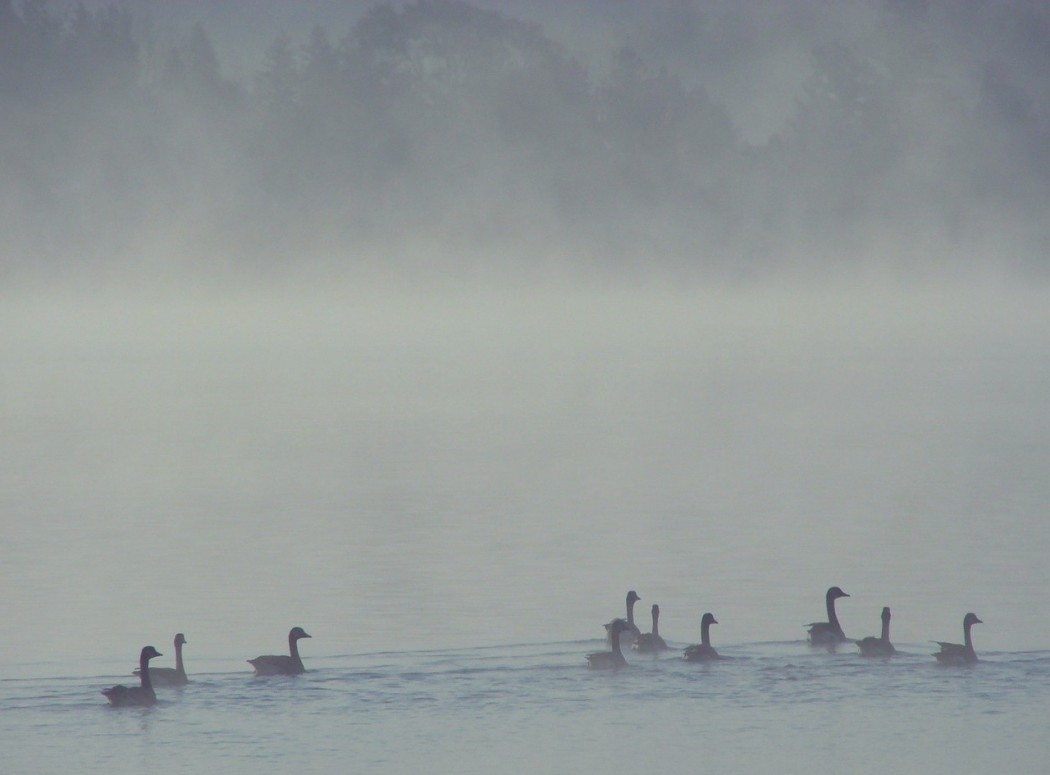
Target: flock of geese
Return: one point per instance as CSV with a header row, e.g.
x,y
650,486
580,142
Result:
x,y
143,694
827,634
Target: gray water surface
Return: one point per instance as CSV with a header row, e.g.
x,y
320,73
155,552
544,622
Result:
x,y
417,477
766,707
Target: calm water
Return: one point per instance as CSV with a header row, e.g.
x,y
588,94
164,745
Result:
x,y
452,490
773,707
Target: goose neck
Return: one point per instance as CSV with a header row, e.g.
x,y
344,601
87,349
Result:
x,y
144,671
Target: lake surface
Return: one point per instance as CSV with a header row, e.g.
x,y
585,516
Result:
x,y
771,707
453,488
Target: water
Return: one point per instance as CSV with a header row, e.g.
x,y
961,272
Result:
x,y
453,489
771,707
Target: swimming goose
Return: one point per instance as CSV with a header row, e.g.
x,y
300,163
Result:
x,y
956,653
830,632
881,646
651,641
129,696
170,676
610,660
703,650
632,631
282,664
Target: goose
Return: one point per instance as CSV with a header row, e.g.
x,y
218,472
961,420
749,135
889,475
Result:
x,y
651,641
610,660
959,653
881,646
135,696
703,650
828,633
282,664
170,676
631,632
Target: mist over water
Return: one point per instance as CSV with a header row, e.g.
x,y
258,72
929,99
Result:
x,y
434,328
474,465
452,487
701,140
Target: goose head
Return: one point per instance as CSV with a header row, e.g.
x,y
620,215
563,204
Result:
x,y
835,593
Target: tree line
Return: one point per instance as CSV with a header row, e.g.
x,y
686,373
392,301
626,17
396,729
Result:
x,y
437,124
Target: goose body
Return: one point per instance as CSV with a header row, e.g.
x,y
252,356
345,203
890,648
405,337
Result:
x,y
703,650
610,660
121,696
828,633
881,646
170,676
631,632
651,642
282,664
959,653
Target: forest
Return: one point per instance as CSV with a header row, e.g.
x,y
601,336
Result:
x,y
440,136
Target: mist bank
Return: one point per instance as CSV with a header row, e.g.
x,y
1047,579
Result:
x,y
342,448
698,140
453,316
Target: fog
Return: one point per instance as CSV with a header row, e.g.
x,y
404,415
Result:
x,y
473,465
697,139
448,321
